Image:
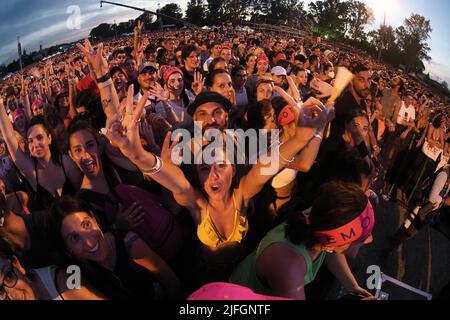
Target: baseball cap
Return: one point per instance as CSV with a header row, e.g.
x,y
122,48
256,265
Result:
x,y
206,97
147,65
279,71
228,291
327,52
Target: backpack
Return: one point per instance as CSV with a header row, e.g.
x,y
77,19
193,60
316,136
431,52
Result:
x,y
160,229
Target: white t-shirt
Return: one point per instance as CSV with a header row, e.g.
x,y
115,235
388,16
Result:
x,y
207,63
47,276
406,114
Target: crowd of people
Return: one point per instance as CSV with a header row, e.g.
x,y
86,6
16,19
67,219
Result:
x,y
88,174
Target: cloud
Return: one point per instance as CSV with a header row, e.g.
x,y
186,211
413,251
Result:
x,y
44,22
438,71
58,32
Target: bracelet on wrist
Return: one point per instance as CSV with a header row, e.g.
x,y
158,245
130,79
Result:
x,y
104,78
102,85
318,134
155,169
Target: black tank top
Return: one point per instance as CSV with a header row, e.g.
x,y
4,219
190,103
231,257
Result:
x,y
128,280
41,199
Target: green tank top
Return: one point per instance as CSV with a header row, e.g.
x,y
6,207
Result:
x,y
245,273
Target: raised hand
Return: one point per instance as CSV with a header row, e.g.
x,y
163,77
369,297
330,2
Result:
x,y
95,58
295,93
138,28
160,93
324,89
36,73
169,152
315,116
124,132
199,82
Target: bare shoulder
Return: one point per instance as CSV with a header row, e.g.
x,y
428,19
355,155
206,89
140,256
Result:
x,y
280,255
282,269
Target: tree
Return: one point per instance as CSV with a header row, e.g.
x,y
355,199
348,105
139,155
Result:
x,y
384,37
172,10
196,12
329,17
358,16
412,39
215,12
102,31
445,85
278,12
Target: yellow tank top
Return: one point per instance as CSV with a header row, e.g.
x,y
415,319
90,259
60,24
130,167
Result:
x,y
210,236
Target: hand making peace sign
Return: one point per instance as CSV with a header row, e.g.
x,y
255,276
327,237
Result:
x,y
123,132
95,58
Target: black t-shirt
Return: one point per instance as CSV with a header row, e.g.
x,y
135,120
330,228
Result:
x,y
188,79
45,248
344,105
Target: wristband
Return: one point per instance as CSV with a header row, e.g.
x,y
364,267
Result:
x,y
105,78
318,135
107,83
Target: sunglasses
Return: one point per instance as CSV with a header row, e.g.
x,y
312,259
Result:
x,y
9,281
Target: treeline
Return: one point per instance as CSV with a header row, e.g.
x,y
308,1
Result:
x,y
339,20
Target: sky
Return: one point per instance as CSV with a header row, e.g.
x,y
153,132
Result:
x,y
45,22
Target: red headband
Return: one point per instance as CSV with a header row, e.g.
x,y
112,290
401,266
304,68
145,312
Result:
x,y
18,112
169,72
35,103
286,116
262,57
351,232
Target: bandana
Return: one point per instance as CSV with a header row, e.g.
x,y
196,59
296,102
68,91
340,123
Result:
x,y
286,116
353,231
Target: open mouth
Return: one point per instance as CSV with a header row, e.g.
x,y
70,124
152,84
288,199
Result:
x,y
95,248
89,165
215,188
